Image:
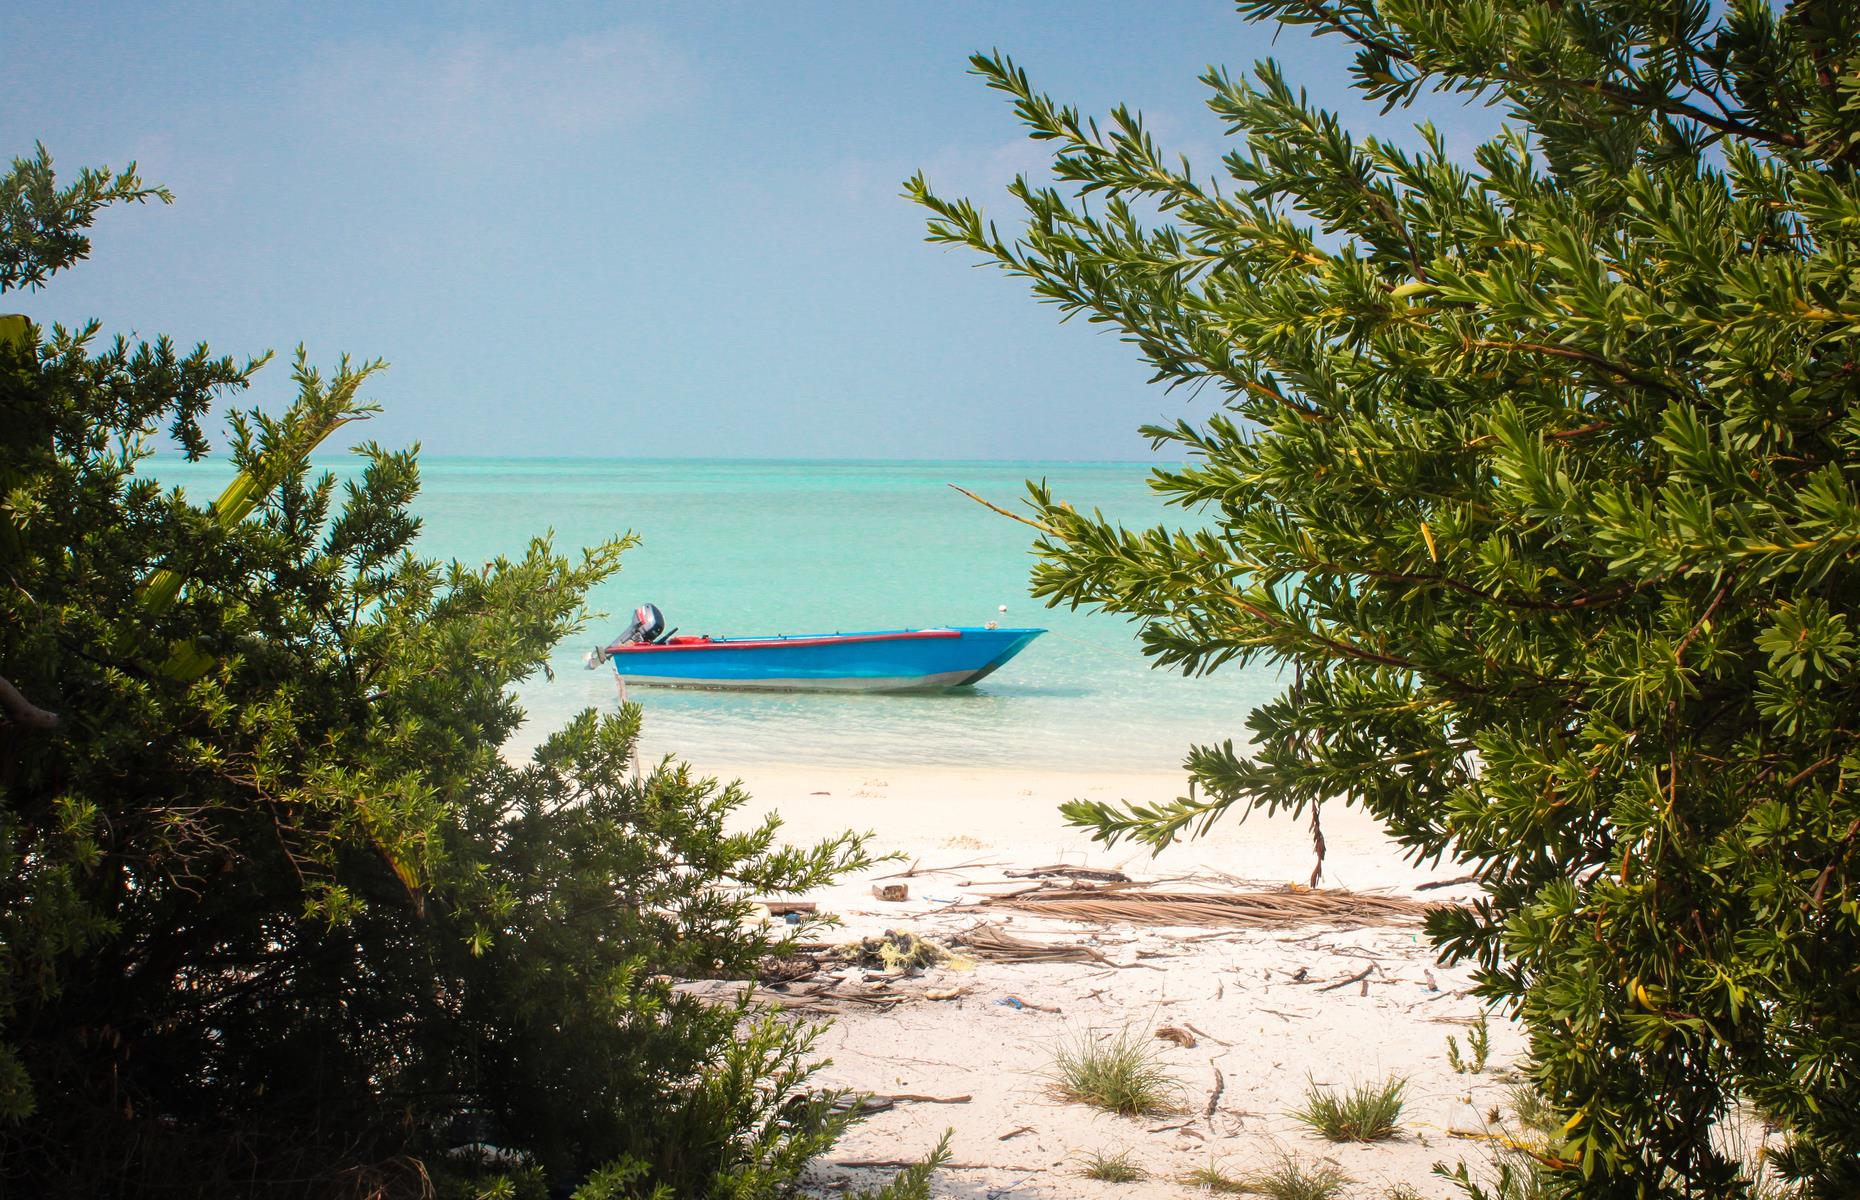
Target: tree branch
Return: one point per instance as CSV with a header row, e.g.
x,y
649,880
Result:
x,y
23,712
1661,102
1012,516
1575,355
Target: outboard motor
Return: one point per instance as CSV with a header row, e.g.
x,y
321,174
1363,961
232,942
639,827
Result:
x,y
648,625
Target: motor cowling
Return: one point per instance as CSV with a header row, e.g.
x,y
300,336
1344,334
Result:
x,y
648,626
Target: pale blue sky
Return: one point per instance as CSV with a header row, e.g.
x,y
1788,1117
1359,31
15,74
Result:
x,y
626,229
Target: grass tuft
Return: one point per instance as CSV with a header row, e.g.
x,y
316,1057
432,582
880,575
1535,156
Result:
x,y
1212,1179
1366,1113
1295,1180
1113,1168
1122,1074
1289,1180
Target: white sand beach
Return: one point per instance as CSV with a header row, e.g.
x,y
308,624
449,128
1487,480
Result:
x,y
1268,1010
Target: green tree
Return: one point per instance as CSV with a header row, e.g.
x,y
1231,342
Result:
x,y
276,915
1540,472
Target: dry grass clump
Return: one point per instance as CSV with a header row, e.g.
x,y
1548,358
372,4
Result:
x,y
1368,1112
1289,1179
1212,1179
1295,1180
1121,1073
1113,1168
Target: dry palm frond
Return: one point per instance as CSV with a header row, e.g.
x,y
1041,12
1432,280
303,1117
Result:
x,y
1299,906
991,941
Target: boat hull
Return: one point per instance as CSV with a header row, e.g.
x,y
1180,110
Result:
x,y
901,660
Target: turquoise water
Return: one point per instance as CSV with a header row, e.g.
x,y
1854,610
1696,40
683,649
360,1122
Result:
x,y
747,547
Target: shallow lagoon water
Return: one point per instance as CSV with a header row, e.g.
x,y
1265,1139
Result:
x,y
783,546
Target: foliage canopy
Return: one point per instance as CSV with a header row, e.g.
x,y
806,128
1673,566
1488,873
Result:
x,y
276,915
1541,473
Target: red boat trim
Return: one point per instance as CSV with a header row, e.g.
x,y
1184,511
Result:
x,y
775,643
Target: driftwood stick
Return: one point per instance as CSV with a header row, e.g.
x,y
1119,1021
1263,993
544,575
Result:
x,y
1214,1097
917,868
1356,978
1262,909
1205,1034
1317,844
1045,1008
892,1164
23,712
1440,883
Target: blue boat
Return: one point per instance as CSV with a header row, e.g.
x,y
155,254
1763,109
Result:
x,y
885,660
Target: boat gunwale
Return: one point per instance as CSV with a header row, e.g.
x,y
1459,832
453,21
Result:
x,y
825,639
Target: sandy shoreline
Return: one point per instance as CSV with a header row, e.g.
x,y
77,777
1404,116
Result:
x,y
1270,1004
919,809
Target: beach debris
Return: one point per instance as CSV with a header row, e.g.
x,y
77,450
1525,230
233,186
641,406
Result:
x,y
899,952
1361,977
1282,907
1178,1035
945,993
787,969
1062,871
893,1164
862,1104
991,941
1214,1097
1445,883
914,1098
891,891
830,1000
1014,1133
917,868
821,996
1043,885
794,962
1016,1002
781,908
1205,1035
1185,1128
